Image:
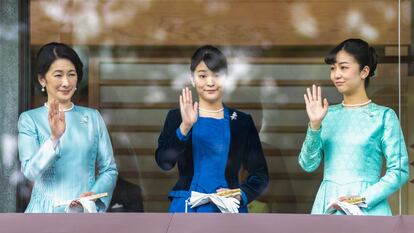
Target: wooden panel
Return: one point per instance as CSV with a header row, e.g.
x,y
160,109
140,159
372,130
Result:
x,y
275,207
241,106
269,198
158,128
94,89
287,162
263,94
148,151
237,83
47,22
134,151
174,175
151,117
241,67
149,140
233,22
292,208
244,83
170,105
162,186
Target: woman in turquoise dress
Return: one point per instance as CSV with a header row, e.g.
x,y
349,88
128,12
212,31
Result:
x,y
210,142
64,149
353,137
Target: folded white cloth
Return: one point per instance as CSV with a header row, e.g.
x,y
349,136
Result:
x,y
87,207
225,204
348,209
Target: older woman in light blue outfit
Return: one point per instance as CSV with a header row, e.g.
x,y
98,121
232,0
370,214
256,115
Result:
x,y
352,138
64,149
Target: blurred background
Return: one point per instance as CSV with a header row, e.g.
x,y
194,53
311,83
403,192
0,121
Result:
x,y
137,55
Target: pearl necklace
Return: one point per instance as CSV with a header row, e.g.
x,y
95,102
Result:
x,y
356,105
211,111
64,110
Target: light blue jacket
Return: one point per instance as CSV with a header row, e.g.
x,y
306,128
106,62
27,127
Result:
x,y
81,161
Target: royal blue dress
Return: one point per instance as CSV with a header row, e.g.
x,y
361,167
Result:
x,y
81,161
211,142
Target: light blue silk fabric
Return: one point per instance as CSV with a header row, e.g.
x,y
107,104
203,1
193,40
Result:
x,y
82,161
353,142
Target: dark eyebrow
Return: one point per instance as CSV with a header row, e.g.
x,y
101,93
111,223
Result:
x,y
61,71
344,62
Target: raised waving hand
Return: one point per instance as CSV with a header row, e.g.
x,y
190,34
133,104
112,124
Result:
x,y
189,111
56,120
315,107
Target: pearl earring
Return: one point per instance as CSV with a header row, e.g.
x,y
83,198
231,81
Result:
x,y
43,89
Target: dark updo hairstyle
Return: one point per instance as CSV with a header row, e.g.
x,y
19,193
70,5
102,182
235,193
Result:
x,y
364,54
212,57
50,52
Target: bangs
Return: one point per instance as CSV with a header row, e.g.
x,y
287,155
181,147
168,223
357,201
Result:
x,y
215,63
330,59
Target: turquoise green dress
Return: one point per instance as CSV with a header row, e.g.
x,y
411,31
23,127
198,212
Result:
x,y
81,161
352,142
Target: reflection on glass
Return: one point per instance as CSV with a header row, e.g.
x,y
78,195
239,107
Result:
x,y
138,57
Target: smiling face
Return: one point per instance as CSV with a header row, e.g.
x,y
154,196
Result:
x,y
347,75
60,81
209,84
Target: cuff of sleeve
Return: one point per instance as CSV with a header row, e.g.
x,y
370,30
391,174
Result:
x,y
181,136
55,144
52,147
314,131
369,200
244,198
313,140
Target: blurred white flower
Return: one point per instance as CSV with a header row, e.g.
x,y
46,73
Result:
x,y
303,21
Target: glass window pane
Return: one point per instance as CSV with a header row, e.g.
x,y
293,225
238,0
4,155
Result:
x,y
137,54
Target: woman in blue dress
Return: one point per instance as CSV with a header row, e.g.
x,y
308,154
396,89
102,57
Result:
x,y
353,137
210,142
64,149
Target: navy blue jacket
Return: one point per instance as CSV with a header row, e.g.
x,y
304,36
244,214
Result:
x,y
245,149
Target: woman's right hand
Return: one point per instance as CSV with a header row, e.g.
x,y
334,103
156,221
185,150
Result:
x,y
342,198
315,108
56,121
189,111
